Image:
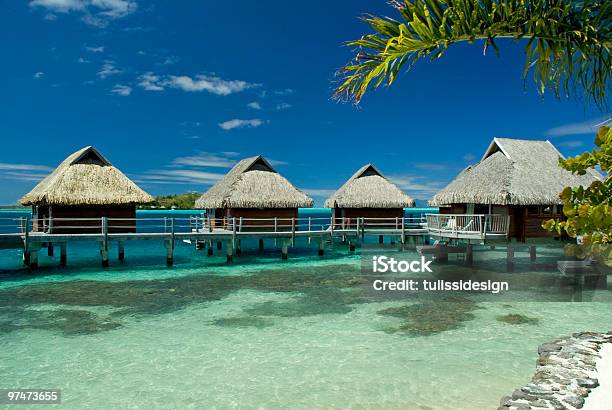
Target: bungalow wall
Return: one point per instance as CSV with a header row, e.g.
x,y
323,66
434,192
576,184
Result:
x,y
255,218
93,218
379,217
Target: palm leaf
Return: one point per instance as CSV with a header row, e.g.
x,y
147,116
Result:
x,y
566,42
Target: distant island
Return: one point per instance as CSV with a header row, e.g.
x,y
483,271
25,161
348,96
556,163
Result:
x,y
177,201
14,206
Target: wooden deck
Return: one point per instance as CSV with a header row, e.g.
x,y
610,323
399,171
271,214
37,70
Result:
x,y
469,228
201,231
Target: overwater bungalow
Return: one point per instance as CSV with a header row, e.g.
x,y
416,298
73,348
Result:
x,y
368,194
84,188
517,182
253,189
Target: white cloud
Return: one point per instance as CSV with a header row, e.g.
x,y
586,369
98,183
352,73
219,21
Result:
x,y
82,60
38,75
187,169
215,85
179,176
24,172
469,157
108,69
254,105
60,6
95,12
571,144
286,91
238,123
150,82
430,166
23,167
97,49
577,128
206,159
114,8
170,60
22,176
122,90
283,106
417,186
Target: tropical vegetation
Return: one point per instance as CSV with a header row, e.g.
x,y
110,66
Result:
x,y
589,210
177,201
566,42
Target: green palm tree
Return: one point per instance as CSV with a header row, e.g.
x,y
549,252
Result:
x,y
567,42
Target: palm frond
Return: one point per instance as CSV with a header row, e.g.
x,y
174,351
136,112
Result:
x,y
567,42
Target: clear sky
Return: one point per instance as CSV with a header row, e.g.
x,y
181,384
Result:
x,y
173,93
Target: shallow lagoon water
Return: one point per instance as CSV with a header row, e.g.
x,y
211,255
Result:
x,y
266,333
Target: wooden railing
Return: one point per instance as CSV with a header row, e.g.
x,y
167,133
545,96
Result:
x,y
204,224
466,225
12,226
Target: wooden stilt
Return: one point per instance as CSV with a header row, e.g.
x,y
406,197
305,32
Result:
x,y
34,258
261,243
321,247
104,243
63,255
230,251
50,249
209,251
381,239
469,255
238,247
441,256
121,251
169,252
104,253
284,249
351,246
219,245
26,244
532,253
510,258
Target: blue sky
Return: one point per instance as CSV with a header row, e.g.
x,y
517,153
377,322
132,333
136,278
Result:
x,y
173,93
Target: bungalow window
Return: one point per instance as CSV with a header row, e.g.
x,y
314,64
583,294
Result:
x,y
547,210
533,210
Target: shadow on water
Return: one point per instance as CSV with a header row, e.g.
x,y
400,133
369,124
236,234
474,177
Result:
x,y
431,317
318,290
517,319
73,307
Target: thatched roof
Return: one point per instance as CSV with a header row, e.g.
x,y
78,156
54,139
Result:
x,y
369,188
513,172
86,178
253,183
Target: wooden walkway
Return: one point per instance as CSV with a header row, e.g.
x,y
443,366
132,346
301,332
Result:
x,y
201,231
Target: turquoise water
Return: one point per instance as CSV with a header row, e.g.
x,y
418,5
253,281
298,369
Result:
x,y
264,333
